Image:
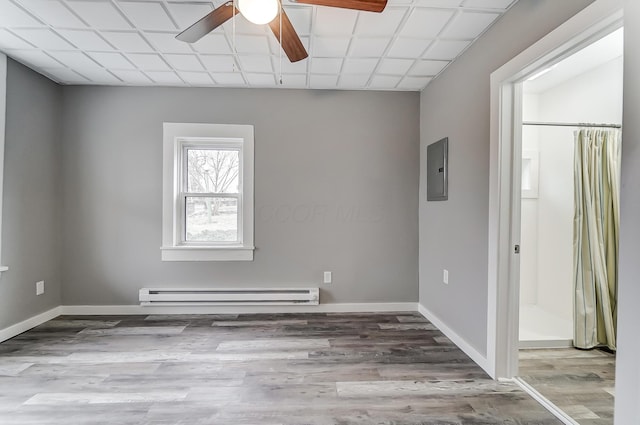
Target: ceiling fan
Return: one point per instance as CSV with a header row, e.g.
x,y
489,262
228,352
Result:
x,y
266,12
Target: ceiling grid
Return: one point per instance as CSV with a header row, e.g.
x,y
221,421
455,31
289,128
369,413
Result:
x,y
132,42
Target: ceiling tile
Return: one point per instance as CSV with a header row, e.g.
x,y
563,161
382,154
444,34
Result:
x,y
408,48
488,4
299,67
414,83
64,75
469,25
425,23
258,63
395,66
148,61
334,21
384,81
213,43
187,14
12,16
99,75
252,44
229,79
323,81
127,41
164,77
428,67
54,13
368,47
330,47
261,80
196,78
294,80
359,66
75,60
244,27
380,24
99,14
446,49
438,3
35,58
132,77
275,45
147,15
10,41
354,80
112,60
184,62
43,38
85,40
218,63
326,65
300,18
167,43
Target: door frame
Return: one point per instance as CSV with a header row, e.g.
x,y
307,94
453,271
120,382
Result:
x,y
594,22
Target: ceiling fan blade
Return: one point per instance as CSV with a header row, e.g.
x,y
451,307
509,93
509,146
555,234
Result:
x,y
207,24
291,43
366,5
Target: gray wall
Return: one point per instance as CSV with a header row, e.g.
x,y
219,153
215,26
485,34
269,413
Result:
x,y
336,188
627,362
453,234
31,210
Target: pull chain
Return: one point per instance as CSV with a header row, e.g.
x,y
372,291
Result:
x,y
233,36
280,42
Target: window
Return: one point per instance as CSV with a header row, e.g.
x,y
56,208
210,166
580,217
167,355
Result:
x,y
207,192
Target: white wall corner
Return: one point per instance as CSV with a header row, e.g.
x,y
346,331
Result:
x,y
468,349
3,112
25,325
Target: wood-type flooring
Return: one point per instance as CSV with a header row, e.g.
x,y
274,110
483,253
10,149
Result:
x,y
266,369
579,382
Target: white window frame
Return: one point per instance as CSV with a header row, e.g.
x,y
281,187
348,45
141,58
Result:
x,y
177,138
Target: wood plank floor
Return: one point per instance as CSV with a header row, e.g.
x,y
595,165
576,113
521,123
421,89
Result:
x,y
314,369
579,382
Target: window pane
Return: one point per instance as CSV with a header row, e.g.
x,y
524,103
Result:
x,y
212,170
211,219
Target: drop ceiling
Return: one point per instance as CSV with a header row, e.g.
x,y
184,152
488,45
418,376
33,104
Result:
x,y
131,42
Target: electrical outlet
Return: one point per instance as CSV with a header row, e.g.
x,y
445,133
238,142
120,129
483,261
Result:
x,y
327,277
40,287
445,276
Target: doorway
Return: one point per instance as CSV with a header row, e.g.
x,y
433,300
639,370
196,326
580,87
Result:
x,y
583,91
596,21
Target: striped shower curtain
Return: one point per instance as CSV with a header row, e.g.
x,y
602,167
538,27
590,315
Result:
x,y
595,236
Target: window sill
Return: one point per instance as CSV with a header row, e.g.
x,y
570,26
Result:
x,y
207,253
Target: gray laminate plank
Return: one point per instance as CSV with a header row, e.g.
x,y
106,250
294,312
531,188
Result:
x,y
267,369
579,382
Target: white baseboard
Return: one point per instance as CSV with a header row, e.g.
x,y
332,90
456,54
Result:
x,y
469,350
85,310
32,322
551,407
547,343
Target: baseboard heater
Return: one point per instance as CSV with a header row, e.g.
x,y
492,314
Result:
x,y
232,297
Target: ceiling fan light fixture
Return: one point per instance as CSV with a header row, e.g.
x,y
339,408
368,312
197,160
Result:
x,y
259,11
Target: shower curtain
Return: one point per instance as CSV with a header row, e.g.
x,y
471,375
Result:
x,y
596,232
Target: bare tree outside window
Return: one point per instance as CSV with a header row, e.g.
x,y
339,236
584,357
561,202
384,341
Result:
x,y
215,172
